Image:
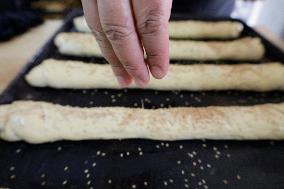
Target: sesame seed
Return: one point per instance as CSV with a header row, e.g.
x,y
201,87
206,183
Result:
x,y
59,148
66,168
185,180
199,183
225,182
64,182
18,150
190,155
204,145
133,186
186,185
157,146
162,144
180,146
165,183
226,146
103,154
203,181
86,162
127,153
12,177
121,154
88,175
238,177
228,155
215,148
43,183
171,180
89,182
94,164
109,181
199,161
12,168
208,165
194,153
42,175
139,149
140,153
201,167
178,162
145,183
182,172
98,152
167,144
86,171
194,163
192,174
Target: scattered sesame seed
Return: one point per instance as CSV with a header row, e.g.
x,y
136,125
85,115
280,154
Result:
x,y
216,156
238,177
218,152
194,163
167,99
228,155
66,168
192,174
225,181
94,164
86,162
203,181
180,146
105,92
199,161
178,162
215,148
127,153
167,145
204,145
86,171
171,180
43,183
208,165
165,183
205,186
42,175
89,182
186,185
182,172
157,146
194,153
139,149
133,186
109,181
190,155
226,146
199,183
88,175
12,168
98,152
103,154
64,182
18,150
185,180
140,153
145,183
201,167
59,148
91,102
12,177
162,144
121,154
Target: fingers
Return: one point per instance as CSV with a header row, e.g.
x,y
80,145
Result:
x,y
118,24
92,18
152,21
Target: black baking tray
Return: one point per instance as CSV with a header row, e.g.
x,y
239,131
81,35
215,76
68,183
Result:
x,y
140,163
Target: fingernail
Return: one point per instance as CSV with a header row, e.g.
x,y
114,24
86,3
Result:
x,y
122,81
157,72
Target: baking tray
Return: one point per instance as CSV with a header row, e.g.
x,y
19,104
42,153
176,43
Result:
x,y
140,163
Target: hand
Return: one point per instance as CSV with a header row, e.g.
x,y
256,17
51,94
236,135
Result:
x,y
123,27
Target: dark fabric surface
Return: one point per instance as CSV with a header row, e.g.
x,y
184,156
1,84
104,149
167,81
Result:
x,y
204,8
13,23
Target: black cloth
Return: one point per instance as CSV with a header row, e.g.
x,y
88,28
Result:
x,y
13,23
204,8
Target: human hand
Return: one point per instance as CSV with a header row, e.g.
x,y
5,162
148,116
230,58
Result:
x,y
123,28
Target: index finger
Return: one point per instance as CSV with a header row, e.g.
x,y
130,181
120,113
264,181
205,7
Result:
x,y
152,19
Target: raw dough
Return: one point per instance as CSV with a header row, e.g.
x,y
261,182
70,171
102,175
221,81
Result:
x,y
38,122
189,29
84,44
80,75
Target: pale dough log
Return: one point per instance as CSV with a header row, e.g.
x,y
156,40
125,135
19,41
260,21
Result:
x,y
38,122
80,75
189,29
84,44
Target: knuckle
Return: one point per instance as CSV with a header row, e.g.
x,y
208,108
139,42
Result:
x,y
152,23
99,34
116,32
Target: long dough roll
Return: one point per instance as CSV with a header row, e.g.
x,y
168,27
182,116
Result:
x,y
84,44
189,29
38,122
80,75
